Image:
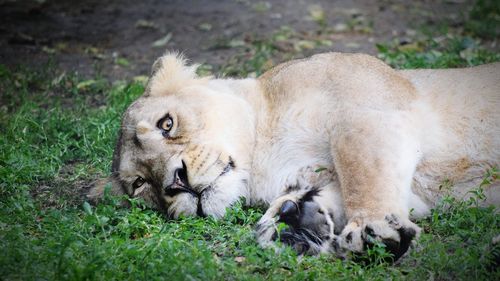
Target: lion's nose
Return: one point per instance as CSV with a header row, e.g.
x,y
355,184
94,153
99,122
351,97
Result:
x,y
180,183
180,176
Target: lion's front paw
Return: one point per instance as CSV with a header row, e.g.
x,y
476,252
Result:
x,y
305,226
286,213
266,230
393,232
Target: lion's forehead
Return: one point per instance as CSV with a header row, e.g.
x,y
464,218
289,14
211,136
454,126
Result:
x,y
147,106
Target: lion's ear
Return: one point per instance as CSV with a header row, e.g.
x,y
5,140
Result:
x,y
170,73
96,192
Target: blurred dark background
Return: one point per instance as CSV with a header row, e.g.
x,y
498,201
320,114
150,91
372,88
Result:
x,y
119,39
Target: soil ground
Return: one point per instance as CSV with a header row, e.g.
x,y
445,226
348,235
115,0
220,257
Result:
x,y
115,38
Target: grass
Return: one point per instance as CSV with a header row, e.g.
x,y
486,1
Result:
x,y
484,19
437,52
57,135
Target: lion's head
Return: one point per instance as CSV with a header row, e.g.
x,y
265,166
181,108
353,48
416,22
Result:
x,y
184,146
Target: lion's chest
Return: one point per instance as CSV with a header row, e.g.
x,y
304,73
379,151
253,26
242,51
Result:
x,y
292,155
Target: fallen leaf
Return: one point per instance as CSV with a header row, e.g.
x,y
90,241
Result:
x,y
85,84
95,53
284,46
145,24
411,32
143,79
91,50
162,41
58,79
261,7
22,38
413,47
204,70
340,27
275,16
239,259
87,208
61,46
252,74
48,50
304,44
317,14
352,45
235,43
467,54
268,64
325,42
351,12
122,62
468,43
205,26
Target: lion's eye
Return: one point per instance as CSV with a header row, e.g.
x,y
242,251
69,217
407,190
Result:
x,y
138,183
165,124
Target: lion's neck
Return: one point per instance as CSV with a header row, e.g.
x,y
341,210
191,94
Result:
x,y
250,91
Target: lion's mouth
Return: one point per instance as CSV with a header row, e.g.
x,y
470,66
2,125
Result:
x,y
181,184
230,166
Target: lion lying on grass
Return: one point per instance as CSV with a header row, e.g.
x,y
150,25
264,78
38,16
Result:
x,y
344,149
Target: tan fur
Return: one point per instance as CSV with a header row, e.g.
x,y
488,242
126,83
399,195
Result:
x,y
389,138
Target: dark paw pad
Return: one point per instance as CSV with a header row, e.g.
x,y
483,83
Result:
x,y
397,246
289,213
307,226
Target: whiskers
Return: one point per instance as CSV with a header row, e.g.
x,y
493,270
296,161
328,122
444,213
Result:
x,y
128,128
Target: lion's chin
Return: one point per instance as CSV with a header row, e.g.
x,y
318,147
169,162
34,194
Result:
x,y
183,204
187,205
214,201
228,190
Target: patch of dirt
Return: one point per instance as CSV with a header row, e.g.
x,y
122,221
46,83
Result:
x,y
115,38
68,188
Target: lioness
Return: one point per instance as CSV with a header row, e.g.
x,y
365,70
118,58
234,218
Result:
x,y
341,146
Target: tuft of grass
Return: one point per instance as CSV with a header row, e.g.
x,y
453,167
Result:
x,y
484,19
444,47
254,62
260,53
437,52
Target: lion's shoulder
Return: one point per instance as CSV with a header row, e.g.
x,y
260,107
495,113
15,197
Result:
x,y
342,76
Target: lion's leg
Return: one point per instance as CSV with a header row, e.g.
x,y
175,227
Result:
x,y
375,168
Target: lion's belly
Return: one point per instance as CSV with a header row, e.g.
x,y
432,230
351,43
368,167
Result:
x,y
457,116
434,180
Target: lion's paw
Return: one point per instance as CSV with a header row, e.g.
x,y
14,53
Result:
x,y
266,229
304,225
394,233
